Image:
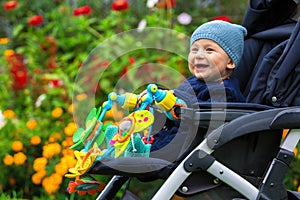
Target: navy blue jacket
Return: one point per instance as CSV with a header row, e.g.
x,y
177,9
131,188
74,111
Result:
x,y
194,91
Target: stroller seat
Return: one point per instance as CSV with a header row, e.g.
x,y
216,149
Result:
x,y
252,142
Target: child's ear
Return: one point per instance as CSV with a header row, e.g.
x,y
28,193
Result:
x,y
230,64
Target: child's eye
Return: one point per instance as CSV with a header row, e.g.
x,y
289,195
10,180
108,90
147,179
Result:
x,y
194,49
209,49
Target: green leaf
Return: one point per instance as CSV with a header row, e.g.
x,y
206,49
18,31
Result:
x,y
17,29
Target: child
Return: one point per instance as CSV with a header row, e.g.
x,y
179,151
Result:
x,y
215,50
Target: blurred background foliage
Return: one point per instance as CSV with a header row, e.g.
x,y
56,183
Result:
x,y
44,44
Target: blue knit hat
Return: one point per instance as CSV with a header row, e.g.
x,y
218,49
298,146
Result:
x,y
229,36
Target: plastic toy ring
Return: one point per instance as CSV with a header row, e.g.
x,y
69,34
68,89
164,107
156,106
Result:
x,y
173,110
121,129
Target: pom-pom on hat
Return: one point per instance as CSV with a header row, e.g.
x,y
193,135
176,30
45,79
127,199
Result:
x,y
229,36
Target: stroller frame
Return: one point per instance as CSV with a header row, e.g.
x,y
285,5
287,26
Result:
x,y
200,158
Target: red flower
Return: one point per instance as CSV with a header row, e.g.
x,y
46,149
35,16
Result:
x,y
84,10
131,60
166,4
35,20
18,71
223,18
10,5
120,5
55,83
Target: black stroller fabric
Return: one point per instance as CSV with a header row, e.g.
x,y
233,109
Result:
x,y
271,55
263,15
277,81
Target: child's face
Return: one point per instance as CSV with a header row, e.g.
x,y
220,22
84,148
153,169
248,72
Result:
x,y
208,61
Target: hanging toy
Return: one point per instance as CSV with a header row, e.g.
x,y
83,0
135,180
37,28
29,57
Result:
x,y
126,137
131,137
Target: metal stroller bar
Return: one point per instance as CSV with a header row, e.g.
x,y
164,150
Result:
x,y
112,187
217,169
292,140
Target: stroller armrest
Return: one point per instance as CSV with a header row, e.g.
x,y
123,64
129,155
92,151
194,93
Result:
x,y
139,167
287,119
246,124
203,113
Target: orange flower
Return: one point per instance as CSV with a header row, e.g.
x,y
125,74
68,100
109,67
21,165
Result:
x,y
12,181
68,160
71,108
61,169
38,177
70,129
51,150
4,40
295,151
298,189
81,97
35,140
8,160
50,185
31,124
9,114
285,132
57,178
17,146
20,158
68,142
57,112
9,53
54,137
39,164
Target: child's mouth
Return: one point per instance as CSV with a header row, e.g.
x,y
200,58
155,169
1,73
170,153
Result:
x,y
201,66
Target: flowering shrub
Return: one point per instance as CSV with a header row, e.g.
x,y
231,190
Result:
x,y
33,160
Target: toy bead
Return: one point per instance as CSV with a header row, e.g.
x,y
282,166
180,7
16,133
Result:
x,y
152,88
147,100
130,101
167,102
173,113
147,141
112,96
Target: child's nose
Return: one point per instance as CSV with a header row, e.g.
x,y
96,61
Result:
x,y
200,53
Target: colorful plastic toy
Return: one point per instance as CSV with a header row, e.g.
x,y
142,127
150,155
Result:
x,y
129,138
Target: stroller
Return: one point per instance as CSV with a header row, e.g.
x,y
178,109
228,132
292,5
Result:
x,y
230,149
